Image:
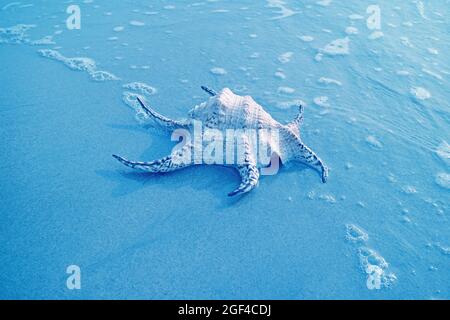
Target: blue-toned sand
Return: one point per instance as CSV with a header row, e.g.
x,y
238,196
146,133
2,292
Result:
x,y
377,112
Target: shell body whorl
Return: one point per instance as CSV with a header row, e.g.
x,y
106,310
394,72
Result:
x,y
227,110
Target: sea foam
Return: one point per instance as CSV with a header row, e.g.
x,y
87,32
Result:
x,y
79,64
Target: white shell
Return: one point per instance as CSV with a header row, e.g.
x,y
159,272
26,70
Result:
x,y
225,112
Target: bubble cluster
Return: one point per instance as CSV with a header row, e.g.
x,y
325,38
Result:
x,y
79,64
337,47
443,180
374,265
137,90
420,93
355,233
218,71
141,87
443,151
16,34
371,262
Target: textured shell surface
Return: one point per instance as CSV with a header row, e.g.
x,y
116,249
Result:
x,y
228,110
260,141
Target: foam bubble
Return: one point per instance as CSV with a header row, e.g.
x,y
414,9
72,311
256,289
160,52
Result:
x,y
16,34
405,41
433,51
218,71
311,195
444,249
374,142
118,28
351,30
356,234
289,104
328,198
306,38
103,76
355,17
420,93
372,263
337,47
285,57
136,23
376,267
403,73
220,11
280,74
141,87
79,64
130,99
286,90
421,9
409,189
376,35
324,3
443,180
443,151
47,40
284,11
329,81
321,101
